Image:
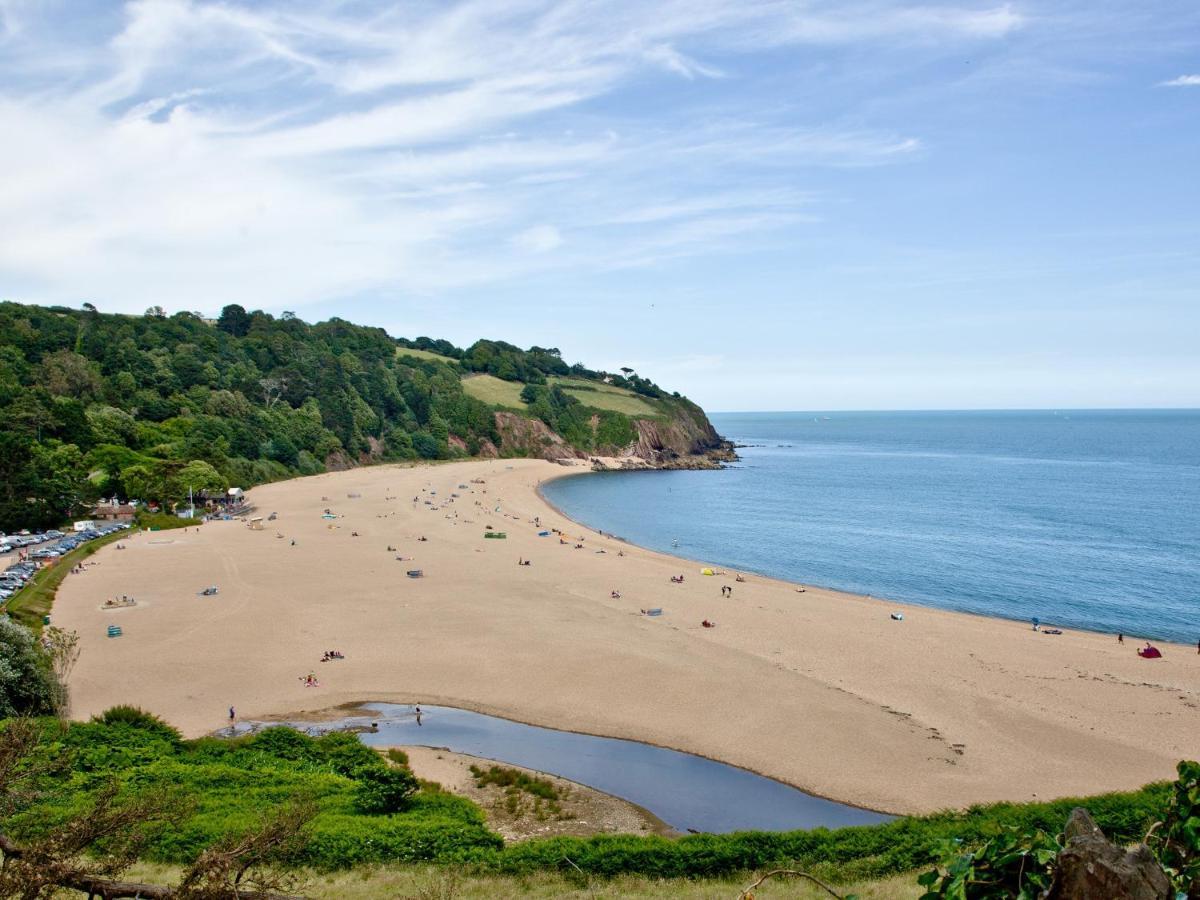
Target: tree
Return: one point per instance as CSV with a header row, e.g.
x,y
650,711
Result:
x,y
234,320
197,475
156,312
272,390
67,374
60,481
28,685
141,483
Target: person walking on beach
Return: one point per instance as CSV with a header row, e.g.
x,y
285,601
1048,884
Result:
x,y
1120,638
232,714
418,711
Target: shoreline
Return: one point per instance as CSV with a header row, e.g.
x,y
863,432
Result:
x,y
1134,638
820,690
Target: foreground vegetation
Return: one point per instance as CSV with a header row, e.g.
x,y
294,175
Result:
x,y
146,407
448,882
368,810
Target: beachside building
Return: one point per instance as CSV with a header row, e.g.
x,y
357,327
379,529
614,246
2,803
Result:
x,y
113,509
226,501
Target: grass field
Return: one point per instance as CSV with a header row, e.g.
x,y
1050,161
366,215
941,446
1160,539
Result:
x,y
448,883
28,605
424,354
495,391
605,396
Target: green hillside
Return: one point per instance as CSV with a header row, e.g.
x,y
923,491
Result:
x,y
144,407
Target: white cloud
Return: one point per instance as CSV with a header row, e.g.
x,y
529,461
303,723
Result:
x,y
673,61
1183,81
192,152
538,239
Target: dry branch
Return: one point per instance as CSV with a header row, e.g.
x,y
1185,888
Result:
x,y
748,893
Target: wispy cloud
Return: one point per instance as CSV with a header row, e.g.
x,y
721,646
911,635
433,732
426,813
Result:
x,y
283,154
1182,81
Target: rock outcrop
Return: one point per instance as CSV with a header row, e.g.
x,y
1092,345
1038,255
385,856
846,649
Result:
x,y
1090,866
686,440
526,436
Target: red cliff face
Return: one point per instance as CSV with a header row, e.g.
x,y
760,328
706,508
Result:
x,y
525,436
684,441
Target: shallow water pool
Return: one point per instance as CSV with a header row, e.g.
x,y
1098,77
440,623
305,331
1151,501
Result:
x,y
685,791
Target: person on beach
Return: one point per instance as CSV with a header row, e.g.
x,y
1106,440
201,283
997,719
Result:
x,y
418,712
232,714
1120,638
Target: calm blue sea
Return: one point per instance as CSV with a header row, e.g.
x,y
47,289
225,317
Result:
x,y
1087,519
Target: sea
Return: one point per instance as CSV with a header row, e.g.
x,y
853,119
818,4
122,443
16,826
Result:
x,y
1086,519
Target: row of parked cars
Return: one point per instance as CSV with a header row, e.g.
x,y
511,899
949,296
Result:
x,y
15,576
17,541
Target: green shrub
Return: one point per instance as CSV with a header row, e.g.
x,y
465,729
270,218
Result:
x,y
381,791
1177,840
134,717
161,521
1012,864
505,777
346,754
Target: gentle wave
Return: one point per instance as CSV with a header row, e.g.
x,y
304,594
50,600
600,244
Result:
x,y
1097,527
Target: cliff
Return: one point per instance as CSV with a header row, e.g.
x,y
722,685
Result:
x,y
681,438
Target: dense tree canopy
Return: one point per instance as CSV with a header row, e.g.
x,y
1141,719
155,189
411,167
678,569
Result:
x,y
144,407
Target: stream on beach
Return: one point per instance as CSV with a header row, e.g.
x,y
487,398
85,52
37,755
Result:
x,y
685,791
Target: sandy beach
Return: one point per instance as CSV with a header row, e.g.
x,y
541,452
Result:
x,y
820,689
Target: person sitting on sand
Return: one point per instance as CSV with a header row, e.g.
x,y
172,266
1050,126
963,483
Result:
x,y
616,595
1149,652
708,624
739,578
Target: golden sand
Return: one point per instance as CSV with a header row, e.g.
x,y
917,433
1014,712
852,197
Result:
x,y
817,688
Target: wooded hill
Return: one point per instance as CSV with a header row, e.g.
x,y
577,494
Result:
x,y
100,405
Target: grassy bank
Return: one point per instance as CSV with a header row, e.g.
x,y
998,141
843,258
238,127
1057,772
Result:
x,y
34,601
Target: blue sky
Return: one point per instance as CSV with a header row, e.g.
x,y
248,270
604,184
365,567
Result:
x,y
765,205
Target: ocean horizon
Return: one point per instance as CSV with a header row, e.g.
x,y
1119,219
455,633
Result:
x,y
1086,519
